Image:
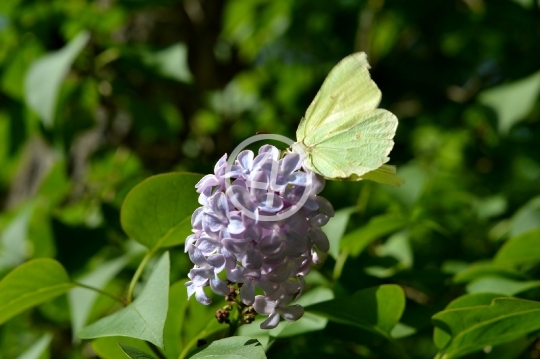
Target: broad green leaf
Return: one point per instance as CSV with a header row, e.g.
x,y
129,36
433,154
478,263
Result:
x,y
82,299
526,218
107,347
231,348
38,348
134,353
479,270
211,332
13,239
178,301
513,101
402,330
157,212
30,284
442,338
357,240
145,317
411,190
335,228
520,250
45,76
170,62
473,328
376,309
501,285
490,207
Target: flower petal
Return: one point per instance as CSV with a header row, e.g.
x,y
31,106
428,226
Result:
x,y
218,286
241,198
217,261
202,297
264,306
271,322
245,159
247,292
236,225
291,312
319,238
235,246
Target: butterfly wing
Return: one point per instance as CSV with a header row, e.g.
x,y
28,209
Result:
x,y
358,144
347,88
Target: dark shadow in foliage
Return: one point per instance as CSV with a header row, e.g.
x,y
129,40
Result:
x,y
77,244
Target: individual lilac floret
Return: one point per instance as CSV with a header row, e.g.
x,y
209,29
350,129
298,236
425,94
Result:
x,y
259,226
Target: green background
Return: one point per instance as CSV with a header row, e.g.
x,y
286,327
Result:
x,y
160,86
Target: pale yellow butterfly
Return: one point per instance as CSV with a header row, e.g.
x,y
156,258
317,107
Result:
x,y
343,134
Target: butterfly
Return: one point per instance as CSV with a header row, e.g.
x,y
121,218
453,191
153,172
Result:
x,y
343,135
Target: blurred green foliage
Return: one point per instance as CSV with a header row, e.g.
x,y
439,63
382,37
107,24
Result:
x,y
136,88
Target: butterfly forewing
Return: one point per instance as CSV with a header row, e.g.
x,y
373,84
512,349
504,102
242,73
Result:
x,y
347,88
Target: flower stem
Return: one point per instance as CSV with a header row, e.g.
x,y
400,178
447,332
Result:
x,y
234,321
118,299
138,274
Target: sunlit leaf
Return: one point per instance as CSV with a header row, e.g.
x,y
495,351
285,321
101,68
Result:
x,y
81,299
473,328
134,353
170,62
376,309
357,240
231,348
520,250
30,284
38,348
107,347
45,76
335,229
13,239
513,101
440,337
157,212
145,317
501,285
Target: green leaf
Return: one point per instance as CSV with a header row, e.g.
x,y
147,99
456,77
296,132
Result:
x,y
379,226
473,328
145,317
170,62
82,299
411,190
178,301
45,76
501,285
479,270
38,348
526,218
13,239
512,101
376,309
231,348
442,338
520,250
107,347
134,353
30,284
335,228
157,212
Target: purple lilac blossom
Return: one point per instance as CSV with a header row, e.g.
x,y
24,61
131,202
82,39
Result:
x,y
230,240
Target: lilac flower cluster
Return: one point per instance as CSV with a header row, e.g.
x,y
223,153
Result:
x,y
262,229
